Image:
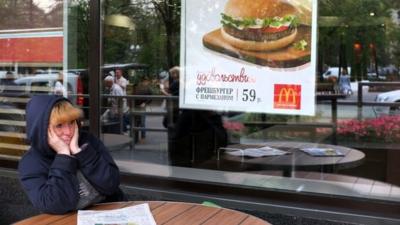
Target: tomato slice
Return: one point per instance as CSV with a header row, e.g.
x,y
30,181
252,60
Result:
x,y
275,29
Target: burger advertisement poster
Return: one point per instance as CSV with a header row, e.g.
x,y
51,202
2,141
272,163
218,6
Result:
x,y
249,55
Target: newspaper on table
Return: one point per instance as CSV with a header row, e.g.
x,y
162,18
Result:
x,y
322,151
133,215
255,152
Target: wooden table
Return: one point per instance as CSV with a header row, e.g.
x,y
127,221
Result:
x,y
116,141
297,160
168,213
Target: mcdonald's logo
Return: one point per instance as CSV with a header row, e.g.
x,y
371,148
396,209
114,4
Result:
x,y
287,96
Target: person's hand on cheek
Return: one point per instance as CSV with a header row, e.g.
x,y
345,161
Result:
x,y
56,143
74,141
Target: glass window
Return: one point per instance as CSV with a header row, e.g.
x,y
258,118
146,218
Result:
x,y
43,44
357,111
357,67
40,87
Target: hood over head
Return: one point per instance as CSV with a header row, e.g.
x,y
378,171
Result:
x,y
38,112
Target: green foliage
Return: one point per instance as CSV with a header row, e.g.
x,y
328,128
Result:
x,y
346,22
155,40
157,32
78,37
117,42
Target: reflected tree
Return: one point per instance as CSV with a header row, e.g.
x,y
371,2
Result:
x,y
154,40
23,14
169,12
78,37
360,30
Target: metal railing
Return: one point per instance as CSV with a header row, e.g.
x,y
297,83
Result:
x,y
135,112
325,98
332,99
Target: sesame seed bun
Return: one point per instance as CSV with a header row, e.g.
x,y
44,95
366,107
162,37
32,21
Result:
x,y
258,9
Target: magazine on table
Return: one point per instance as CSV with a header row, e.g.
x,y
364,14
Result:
x,y
254,152
133,215
315,151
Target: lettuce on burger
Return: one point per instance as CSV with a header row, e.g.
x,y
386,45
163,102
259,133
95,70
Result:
x,y
259,25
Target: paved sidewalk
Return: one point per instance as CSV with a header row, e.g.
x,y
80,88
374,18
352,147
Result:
x,y
151,149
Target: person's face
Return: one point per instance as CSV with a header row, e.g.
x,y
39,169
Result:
x,y
118,73
65,131
175,75
108,84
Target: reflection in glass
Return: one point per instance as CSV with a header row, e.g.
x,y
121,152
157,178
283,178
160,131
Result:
x,y
356,44
33,61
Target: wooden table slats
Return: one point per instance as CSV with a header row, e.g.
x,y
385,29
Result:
x,y
44,219
170,210
164,213
254,221
195,215
225,217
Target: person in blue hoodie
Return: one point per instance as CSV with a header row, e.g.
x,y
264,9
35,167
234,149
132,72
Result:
x,y
65,168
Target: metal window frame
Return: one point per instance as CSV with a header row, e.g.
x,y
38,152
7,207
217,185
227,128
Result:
x,y
95,62
351,210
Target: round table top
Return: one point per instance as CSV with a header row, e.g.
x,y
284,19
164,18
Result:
x,y
173,213
298,158
116,141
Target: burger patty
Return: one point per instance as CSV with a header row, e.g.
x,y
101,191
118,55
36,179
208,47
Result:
x,y
250,34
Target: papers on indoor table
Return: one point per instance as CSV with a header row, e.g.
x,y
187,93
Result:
x,y
315,151
254,152
132,215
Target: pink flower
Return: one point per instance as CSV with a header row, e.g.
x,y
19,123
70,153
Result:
x,y
385,128
233,126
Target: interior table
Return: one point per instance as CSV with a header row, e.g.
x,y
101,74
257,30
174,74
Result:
x,y
116,141
297,159
168,213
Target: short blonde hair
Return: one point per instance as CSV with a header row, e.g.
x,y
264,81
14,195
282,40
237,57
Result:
x,y
174,71
63,112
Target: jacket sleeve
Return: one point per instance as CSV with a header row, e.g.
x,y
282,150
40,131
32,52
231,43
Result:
x,y
52,188
98,167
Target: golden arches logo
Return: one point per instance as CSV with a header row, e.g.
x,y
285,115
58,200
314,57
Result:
x,y
287,94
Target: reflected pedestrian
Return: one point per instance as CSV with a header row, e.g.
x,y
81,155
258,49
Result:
x,y
173,90
195,138
59,88
140,105
120,80
112,114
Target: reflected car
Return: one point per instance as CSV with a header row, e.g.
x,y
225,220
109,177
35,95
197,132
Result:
x,y
389,97
14,97
373,76
43,84
333,72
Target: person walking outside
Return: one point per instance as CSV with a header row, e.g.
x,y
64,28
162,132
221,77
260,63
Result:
x,y
112,114
120,80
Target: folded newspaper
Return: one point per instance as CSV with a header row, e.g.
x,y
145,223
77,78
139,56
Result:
x,y
255,152
132,215
322,151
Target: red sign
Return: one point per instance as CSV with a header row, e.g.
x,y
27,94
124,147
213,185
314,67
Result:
x,y
33,49
287,96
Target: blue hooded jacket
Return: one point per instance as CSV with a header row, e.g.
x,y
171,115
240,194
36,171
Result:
x,y
48,178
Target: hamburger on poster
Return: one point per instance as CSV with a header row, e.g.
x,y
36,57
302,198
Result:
x,y
259,25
